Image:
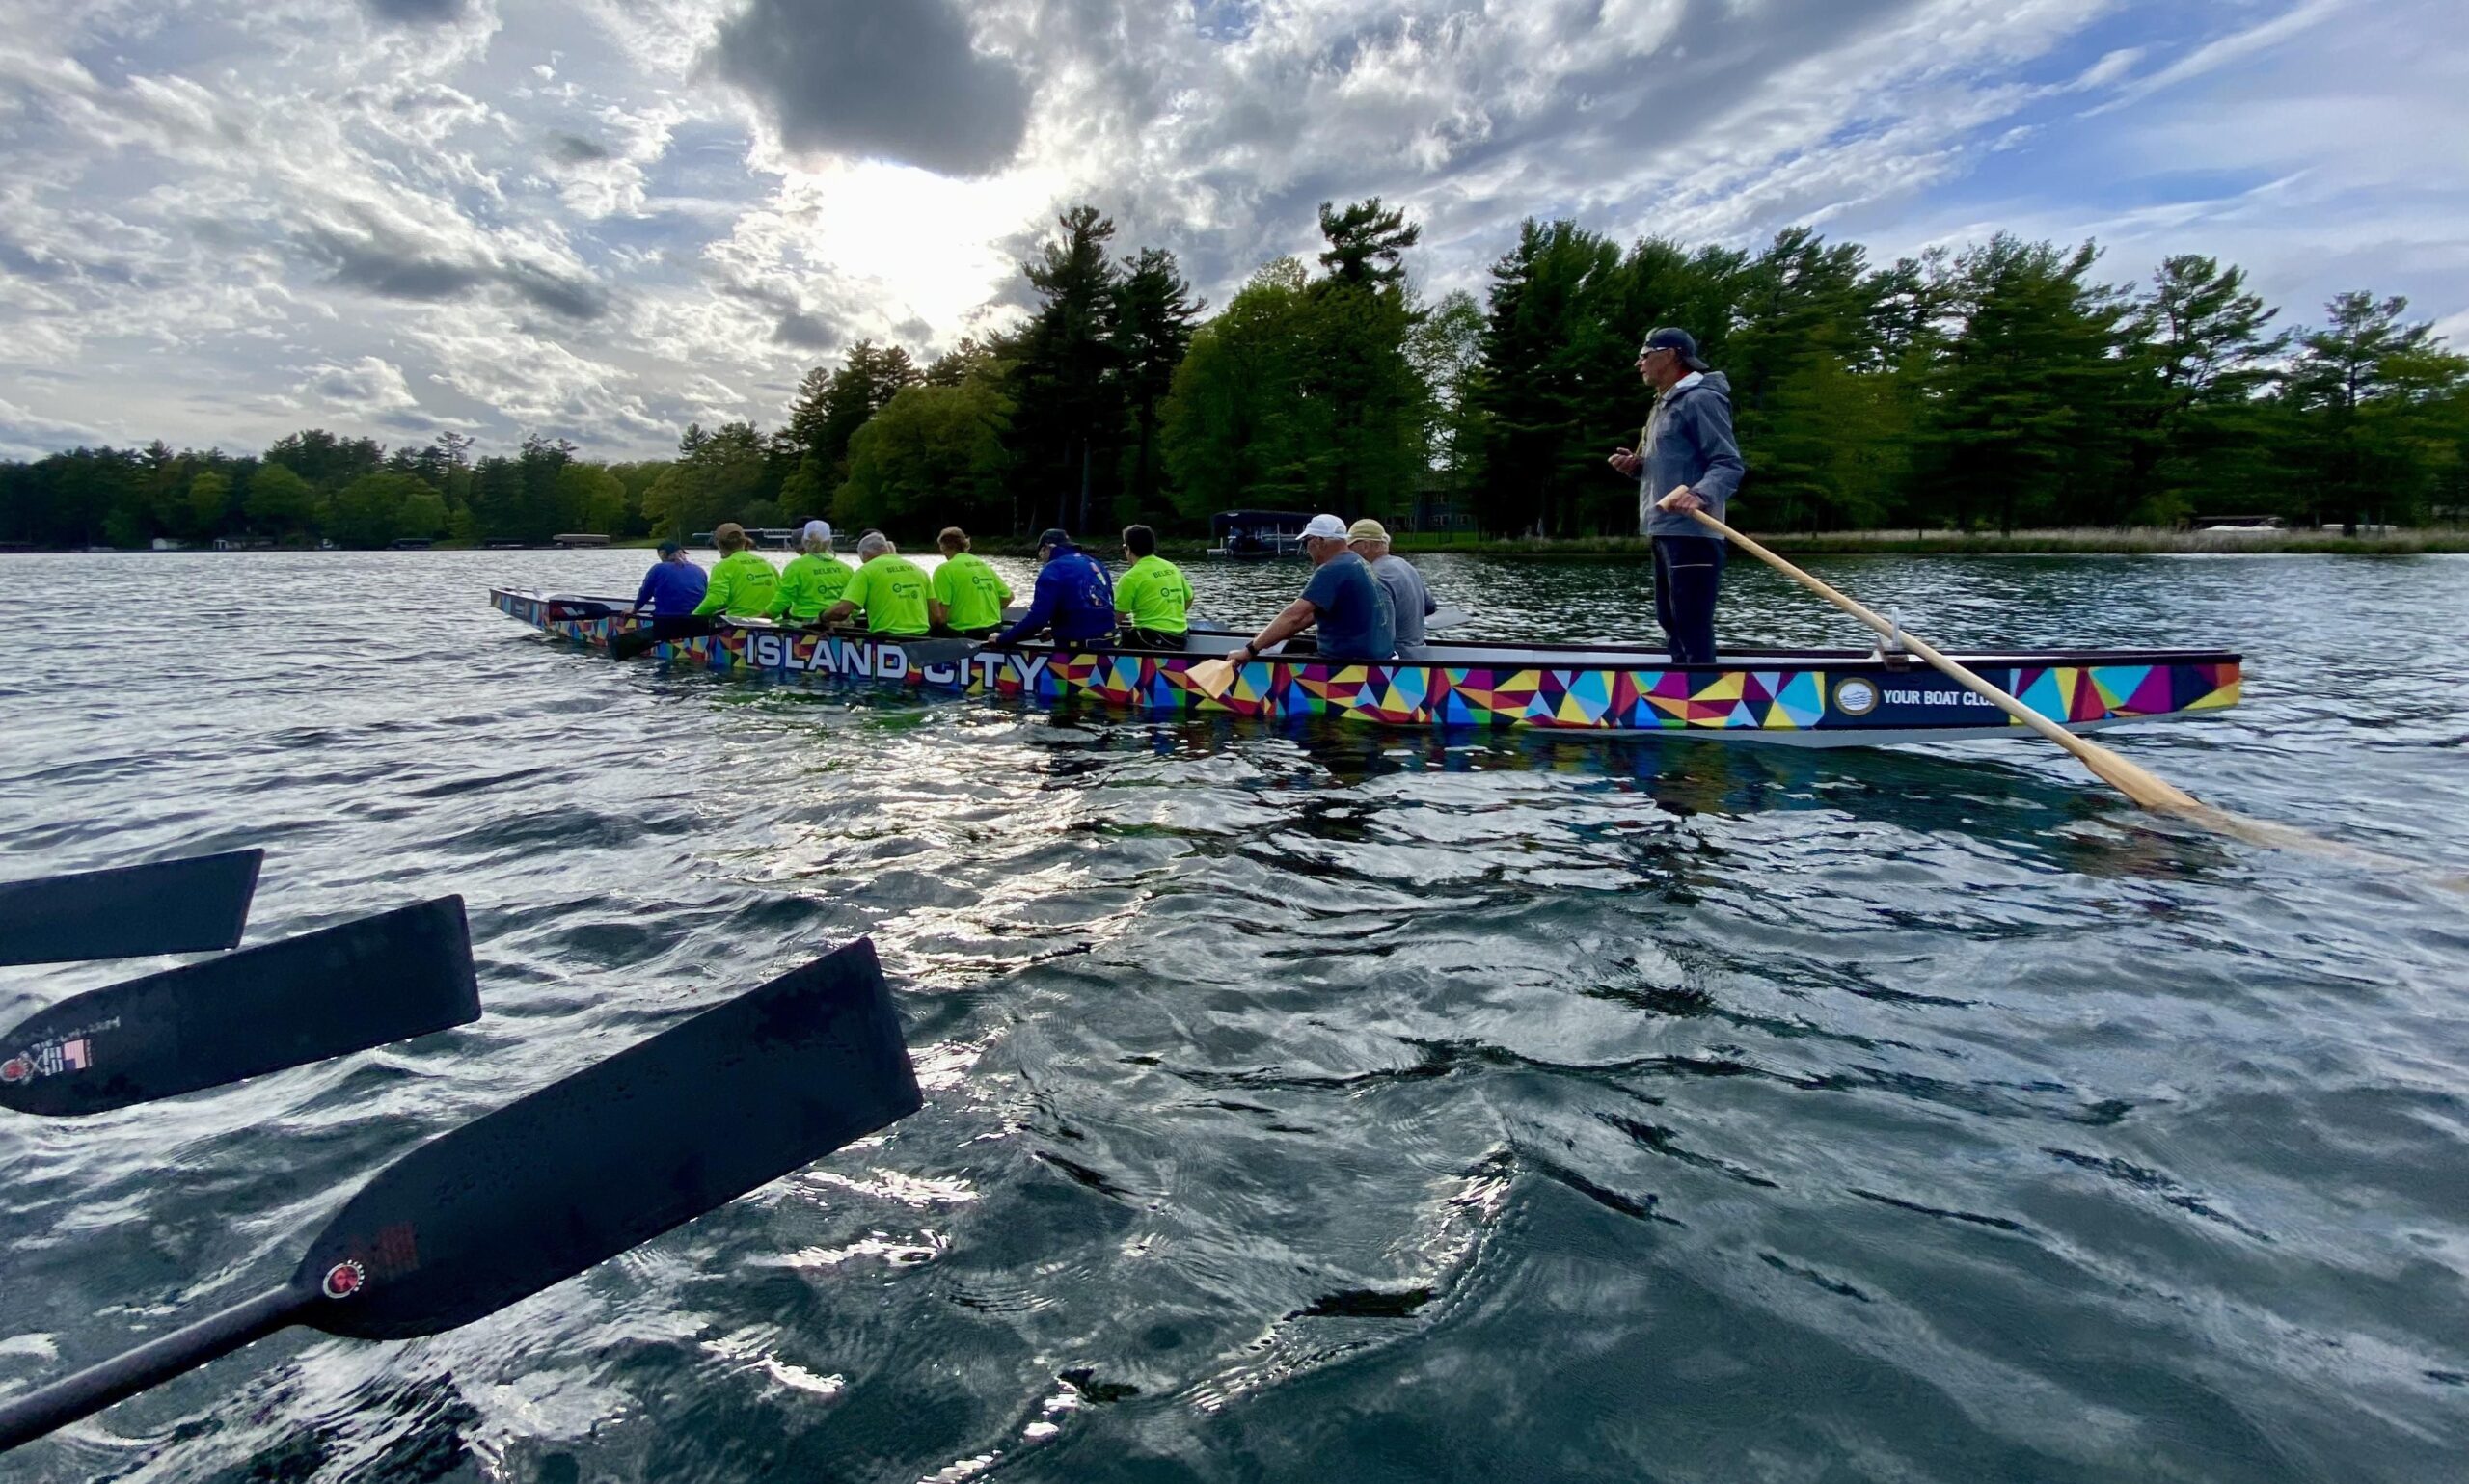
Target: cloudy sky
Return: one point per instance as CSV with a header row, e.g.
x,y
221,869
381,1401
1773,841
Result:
x,y
221,220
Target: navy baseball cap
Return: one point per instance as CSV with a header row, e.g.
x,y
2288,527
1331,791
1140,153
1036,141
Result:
x,y
1052,536
1665,337
671,548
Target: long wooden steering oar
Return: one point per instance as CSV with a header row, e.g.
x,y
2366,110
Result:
x,y
2146,788
2135,781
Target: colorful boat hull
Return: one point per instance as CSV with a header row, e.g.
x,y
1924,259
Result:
x,y
1806,698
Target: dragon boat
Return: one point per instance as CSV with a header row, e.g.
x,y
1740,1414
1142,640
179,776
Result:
x,y
1815,698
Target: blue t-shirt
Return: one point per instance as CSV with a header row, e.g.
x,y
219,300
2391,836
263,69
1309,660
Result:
x,y
1356,619
672,588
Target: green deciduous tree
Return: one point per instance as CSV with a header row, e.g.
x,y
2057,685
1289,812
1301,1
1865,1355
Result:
x,y
280,503
376,509
932,457
1240,427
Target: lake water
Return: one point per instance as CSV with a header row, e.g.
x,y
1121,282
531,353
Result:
x,y
1343,1106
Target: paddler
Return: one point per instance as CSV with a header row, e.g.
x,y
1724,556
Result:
x,y
1074,596
671,588
968,596
1152,602
1686,461
1410,602
1347,603
813,580
889,588
744,582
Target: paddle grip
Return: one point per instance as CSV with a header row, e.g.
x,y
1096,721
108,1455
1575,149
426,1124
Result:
x,y
89,1391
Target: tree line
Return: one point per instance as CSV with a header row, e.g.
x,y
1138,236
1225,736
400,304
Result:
x,y
2006,385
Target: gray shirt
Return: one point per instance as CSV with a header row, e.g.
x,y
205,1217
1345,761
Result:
x,y
1409,600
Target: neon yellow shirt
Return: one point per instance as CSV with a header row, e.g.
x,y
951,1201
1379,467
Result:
x,y
810,584
1154,594
741,586
892,591
972,591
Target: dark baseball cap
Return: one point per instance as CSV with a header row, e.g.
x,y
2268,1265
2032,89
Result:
x,y
1052,535
671,548
1667,337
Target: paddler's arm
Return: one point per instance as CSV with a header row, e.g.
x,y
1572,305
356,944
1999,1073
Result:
x,y
1298,616
1039,614
715,596
838,613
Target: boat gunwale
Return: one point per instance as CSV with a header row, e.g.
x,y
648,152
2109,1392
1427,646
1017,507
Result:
x,y
1465,654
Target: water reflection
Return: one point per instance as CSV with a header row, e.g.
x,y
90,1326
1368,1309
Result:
x,y
1319,1102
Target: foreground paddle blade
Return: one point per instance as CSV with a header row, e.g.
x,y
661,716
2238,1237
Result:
x,y
577,1173
1212,677
170,906
586,1168
306,999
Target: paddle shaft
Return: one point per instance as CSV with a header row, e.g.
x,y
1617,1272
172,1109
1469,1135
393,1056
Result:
x,y
89,1391
2094,758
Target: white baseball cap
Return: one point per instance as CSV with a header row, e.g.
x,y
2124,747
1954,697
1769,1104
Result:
x,y
1326,528
816,530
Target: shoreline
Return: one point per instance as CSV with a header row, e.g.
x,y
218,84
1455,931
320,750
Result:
x,y
2080,542
2077,542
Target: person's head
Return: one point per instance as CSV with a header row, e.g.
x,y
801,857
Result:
x,y
730,537
1325,539
1667,354
672,550
1051,542
816,538
1139,541
873,544
1368,538
952,541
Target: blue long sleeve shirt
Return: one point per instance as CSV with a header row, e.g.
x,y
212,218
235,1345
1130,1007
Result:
x,y
1075,596
672,588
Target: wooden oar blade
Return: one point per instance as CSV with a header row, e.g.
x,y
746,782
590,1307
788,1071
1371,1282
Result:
x,y
171,906
586,1168
324,995
1212,677
2148,789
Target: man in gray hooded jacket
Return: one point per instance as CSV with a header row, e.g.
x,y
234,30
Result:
x,y
1688,461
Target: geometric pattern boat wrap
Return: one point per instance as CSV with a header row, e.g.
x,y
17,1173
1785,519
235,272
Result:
x,y
1815,698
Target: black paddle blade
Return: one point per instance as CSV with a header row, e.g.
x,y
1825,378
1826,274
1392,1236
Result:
x,y
169,906
586,1168
390,976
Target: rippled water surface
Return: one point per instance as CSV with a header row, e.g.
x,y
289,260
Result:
x,y
1324,1106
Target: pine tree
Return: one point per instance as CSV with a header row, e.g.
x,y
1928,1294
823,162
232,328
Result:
x,y
1065,389
1155,312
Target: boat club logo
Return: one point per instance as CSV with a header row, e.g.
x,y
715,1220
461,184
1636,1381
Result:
x,y
76,1054
345,1279
1856,696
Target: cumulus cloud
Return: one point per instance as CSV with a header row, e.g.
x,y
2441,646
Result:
x,y
898,80
27,434
416,12
365,251
601,217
